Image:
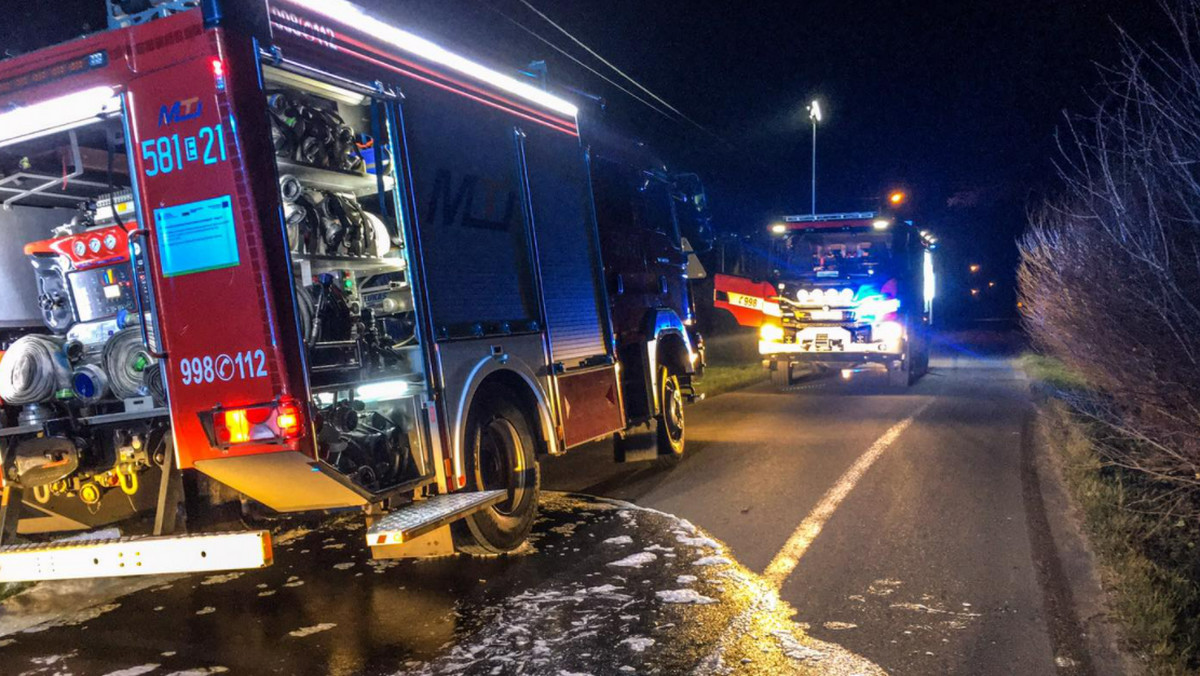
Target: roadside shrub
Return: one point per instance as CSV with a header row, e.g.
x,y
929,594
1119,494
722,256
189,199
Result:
x,y
1110,272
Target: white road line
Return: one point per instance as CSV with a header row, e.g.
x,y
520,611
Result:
x,y
785,561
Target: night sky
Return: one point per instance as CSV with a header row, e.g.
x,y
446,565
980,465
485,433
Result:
x,y
955,102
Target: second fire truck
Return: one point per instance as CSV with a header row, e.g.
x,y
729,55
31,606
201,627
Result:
x,y
851,291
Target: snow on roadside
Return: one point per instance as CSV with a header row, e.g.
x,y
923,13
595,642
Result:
x,y
683,596
635,560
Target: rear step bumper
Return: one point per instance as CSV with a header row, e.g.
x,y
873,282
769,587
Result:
x,y
76,559
426,516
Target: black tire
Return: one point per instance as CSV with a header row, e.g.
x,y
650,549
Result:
x,y
672,425
781,375
501,453
903,374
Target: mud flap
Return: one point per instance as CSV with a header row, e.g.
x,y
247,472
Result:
x,y
637,443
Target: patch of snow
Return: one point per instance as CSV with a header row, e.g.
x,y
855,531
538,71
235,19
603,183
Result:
x,y
686,579
603,589
220,579
794,648
683,596
840,626
638,643
206,610
635,560
134,671
712,561
922,608
340,545
293,581
696,541
309,631
269,592
658,548
619,540
344,566
202,671
1064,662
48,660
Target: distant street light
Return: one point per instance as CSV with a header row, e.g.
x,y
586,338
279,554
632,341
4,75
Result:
x,y
974,268
814,114
897,198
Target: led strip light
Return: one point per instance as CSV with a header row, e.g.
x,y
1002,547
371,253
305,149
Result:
x,y
58,114
350,15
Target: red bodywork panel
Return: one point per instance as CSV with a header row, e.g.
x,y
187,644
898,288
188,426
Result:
x,y
749,302
86,250
188,148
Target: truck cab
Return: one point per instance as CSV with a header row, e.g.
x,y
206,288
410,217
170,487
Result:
x,y
647,218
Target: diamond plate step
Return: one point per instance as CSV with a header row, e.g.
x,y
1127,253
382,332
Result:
x,y
122,557
419,518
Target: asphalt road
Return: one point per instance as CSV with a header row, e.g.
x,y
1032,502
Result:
x,y
828,528
910,524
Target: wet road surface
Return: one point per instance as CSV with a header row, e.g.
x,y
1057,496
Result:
x,y
602,588
905,526
857,531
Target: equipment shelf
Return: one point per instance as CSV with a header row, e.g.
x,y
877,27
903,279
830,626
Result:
x,y
359,185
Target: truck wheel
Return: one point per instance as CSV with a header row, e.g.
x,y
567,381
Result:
x,y
781,375
671,419
902,375
500,454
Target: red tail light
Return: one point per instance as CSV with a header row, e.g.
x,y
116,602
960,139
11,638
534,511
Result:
x,y
264,423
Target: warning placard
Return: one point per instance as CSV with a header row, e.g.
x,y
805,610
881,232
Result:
x,y
196,237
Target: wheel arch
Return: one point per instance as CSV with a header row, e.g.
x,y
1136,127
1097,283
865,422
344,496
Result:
x,y
532,397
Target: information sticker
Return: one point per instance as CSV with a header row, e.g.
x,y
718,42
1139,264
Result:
x,y
196,237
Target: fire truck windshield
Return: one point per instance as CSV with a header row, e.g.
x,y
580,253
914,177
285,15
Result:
x,y
841,254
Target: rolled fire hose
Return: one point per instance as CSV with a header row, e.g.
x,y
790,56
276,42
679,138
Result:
x,y
33,369
382,239
125,359
153,378
290,188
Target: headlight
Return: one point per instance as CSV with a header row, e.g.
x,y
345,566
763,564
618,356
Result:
x,y
889,332
771,333
847,294
831,294
802,295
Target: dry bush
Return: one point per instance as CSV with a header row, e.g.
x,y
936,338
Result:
x,y
1110,271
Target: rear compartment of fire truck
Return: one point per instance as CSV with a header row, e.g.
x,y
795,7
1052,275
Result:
x,y
85,432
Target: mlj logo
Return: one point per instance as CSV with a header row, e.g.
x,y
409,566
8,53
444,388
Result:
x,y
180,111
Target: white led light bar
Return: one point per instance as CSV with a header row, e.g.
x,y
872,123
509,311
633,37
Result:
x,y
58,114
350,15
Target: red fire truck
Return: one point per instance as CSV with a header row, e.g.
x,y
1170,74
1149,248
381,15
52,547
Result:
x,y
282,253
851,291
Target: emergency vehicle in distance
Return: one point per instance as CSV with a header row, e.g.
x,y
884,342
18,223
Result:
x,y
282,253
849,291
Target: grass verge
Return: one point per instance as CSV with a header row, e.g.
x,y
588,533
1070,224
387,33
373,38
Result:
x,y
720,378
1150,563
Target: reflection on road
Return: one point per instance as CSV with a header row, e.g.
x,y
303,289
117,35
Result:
x,y
603,587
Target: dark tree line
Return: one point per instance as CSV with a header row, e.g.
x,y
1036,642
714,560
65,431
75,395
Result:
x,y
1110,271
